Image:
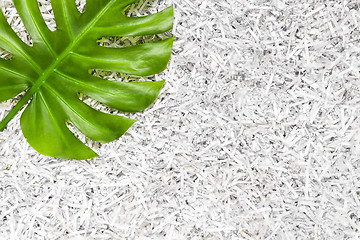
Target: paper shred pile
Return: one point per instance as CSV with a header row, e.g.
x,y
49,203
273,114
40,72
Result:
x,y
256,135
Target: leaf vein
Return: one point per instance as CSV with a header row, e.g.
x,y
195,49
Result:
x,y
16,73
53,53
56,124
81,82
25,55
58,95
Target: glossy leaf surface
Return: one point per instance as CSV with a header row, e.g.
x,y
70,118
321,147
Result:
x,y
56,68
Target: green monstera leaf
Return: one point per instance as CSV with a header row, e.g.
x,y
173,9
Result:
x,y
56,69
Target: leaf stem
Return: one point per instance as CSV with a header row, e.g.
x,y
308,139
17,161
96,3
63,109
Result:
x,y
16,109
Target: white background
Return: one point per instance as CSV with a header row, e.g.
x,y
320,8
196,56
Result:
x,y
254,136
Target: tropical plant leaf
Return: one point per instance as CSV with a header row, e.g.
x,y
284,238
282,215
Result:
x,y
56,68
